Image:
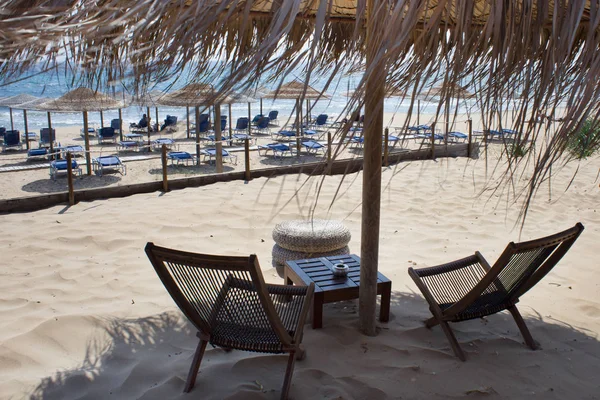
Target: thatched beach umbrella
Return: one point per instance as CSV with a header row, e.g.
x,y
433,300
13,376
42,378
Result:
x,y
84,100
15,102
297,90
197,95
148,100
537,45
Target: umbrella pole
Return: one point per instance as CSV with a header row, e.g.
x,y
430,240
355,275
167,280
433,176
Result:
x,y
26,129
418,111
149,126
230,123
261,106
219,145
188,121
371,194
12,124
51,135
120,124
249,119
157,123
88,160
101,119
307,111
198,135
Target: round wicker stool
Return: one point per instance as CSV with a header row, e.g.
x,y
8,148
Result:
x,y
297,239
281,255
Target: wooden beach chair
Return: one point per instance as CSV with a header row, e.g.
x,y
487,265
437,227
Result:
x,y
228,301
469,288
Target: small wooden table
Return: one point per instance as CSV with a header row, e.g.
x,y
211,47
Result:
x,y
329,288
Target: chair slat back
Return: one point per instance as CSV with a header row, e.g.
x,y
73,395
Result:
x,y
12,138
47,135
242,123
214,290
522,265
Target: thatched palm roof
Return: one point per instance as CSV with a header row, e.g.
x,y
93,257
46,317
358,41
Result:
x,y
194,94
17,100
295,90
81,99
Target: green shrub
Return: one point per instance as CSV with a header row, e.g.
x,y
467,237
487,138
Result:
x,y
586,141
517,149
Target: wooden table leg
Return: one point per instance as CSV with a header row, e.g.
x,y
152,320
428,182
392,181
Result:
x,y
386,294
317,311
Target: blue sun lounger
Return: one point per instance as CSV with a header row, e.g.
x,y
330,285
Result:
x,y
458,136
37,154
12,140
128,145
170,143
61,166
109,163
240,138
181,157
75,150
313,147
278,149
283,135
211,155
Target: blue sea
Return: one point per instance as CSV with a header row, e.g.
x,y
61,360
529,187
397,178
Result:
x,y
49,85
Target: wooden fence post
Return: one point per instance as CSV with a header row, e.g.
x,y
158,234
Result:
x,y
247,175
163,157
70,179
386,150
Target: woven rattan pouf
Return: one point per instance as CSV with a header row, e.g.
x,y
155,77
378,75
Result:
x,y
309,239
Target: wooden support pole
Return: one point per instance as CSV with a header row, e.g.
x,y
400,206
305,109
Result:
x,y
261,106
149,126
307,112
197,135
298,119
447,130
249,119
219,146
418,112
163,157
12,124
120,124
298,148
51,135
86,136
329,148
386,150
230,122
247,176
70,178
470,128
26,129
101,119
157,123
371,194
433,141
188,121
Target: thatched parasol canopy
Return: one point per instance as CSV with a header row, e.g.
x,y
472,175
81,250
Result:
x,y
295,90
151,99
451,90
17,100
194,94
81,99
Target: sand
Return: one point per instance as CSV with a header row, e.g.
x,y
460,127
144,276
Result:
x,y
84,316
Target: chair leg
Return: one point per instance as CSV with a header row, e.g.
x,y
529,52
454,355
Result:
x,y
287,382
452,339
431,322
191,379
523,328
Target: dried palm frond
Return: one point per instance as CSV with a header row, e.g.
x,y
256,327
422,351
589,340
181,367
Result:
x,y
526,58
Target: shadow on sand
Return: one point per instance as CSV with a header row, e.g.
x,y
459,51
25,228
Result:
x,y
60,184
149,358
